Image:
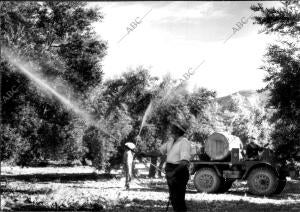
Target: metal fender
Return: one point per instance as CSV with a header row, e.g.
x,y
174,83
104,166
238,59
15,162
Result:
x,y
262,164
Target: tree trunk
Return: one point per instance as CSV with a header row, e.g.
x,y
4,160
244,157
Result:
x,y
152,169
161,163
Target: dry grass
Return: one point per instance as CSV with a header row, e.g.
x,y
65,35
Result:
x,y
108,194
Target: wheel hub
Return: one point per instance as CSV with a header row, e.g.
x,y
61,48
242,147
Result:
x,y
262,182
206,180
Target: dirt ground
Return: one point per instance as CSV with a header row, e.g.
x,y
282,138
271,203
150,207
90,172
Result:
x,y
85,189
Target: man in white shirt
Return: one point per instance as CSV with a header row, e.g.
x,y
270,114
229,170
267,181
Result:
x,y
177,173
128,162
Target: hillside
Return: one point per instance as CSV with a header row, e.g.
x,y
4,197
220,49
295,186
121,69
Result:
x,y
246,99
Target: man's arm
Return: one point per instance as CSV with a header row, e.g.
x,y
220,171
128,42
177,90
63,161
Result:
x,y
154,153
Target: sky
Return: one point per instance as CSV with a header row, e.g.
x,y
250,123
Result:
x,y
177,37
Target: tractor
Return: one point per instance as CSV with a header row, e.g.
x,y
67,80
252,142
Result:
x,y
264,172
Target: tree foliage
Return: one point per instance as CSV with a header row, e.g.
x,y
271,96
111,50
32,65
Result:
x,y
58,38
283,73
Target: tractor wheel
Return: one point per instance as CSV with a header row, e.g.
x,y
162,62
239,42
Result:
x,y
225,185
280,187
262,181
207,180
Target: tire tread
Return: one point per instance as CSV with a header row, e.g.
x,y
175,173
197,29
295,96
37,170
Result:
x,y
216,177
268,192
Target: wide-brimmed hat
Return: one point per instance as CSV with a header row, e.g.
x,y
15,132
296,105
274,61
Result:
x,y
130,145
182,125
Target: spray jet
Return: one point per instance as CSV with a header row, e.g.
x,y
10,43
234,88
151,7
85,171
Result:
x,y
27,69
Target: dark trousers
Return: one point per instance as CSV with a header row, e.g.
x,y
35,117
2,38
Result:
x,y
177,187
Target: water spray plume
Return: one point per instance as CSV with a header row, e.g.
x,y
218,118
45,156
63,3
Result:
x,y
27,69
165,95
147,113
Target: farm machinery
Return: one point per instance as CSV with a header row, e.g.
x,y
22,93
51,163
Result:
x,y
222,160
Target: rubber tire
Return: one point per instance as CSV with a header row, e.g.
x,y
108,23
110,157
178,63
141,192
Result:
x,y
280,187
225,185
266,173
215,181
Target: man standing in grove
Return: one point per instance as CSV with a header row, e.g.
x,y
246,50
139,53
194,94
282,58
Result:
x,y
128,162
178,153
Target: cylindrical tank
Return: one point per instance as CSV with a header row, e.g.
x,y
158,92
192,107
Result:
x,y
218,145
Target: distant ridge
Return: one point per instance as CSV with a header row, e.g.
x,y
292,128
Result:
x,y
244,99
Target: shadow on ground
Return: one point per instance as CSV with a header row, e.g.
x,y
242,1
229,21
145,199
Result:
x,y
24,191
291,190
62,177
85,207
157,206
240,205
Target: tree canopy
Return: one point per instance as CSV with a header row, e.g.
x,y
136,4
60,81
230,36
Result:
x,y
59,39
283,73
